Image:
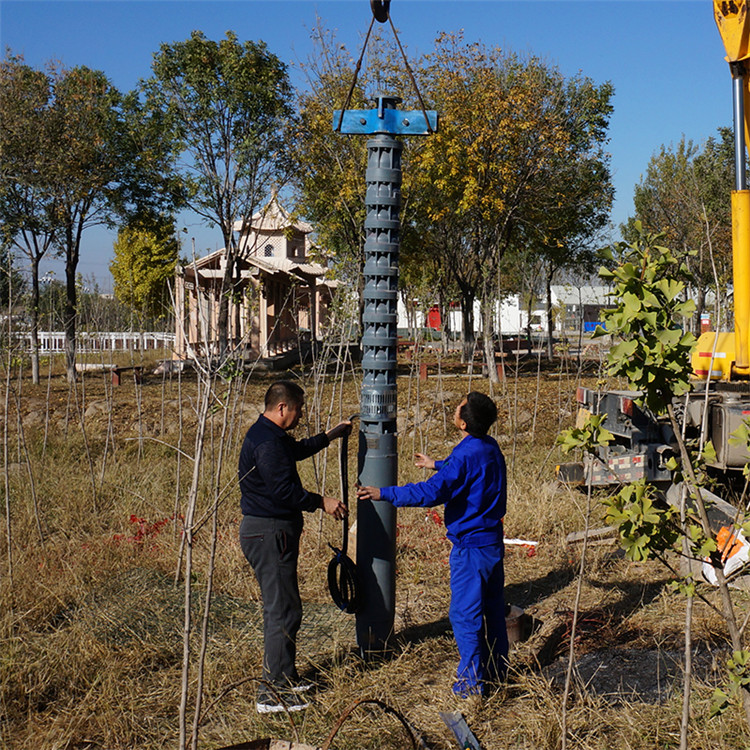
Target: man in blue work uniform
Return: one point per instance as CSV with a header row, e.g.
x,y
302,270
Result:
x,y
272,503
471,483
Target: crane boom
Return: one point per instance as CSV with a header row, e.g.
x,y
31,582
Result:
x,y
733,21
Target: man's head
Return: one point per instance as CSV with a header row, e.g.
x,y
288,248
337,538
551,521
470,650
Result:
x,y
475,414
284,403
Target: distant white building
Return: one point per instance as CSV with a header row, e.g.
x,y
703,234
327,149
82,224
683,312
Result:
x,y
573,308
509,317
579,306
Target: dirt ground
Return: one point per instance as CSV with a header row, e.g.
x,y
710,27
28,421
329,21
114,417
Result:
x,y
101,591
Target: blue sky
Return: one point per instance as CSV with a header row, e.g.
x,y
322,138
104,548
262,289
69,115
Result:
x,y
664,57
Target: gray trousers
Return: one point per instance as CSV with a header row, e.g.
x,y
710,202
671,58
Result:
x,y
271,546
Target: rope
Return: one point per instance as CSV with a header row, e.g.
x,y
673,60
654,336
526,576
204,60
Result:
x,y
381,13
411,76
342,572
356,73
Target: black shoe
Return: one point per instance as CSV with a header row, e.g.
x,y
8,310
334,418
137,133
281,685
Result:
x,y
280,700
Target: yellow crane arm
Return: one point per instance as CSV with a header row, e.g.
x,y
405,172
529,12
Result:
x,y
733,20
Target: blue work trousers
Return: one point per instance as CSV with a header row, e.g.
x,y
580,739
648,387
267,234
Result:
x,y
477,614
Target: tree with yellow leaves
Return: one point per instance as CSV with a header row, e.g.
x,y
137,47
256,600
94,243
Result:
x,y
329,180
146,253
502,173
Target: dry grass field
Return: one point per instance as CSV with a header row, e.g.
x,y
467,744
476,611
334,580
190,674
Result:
x,y
92,618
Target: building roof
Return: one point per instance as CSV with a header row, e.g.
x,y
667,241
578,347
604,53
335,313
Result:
x,y
209,266
273,218
286,265
213,257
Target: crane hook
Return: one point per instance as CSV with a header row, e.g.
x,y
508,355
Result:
x,y
380,9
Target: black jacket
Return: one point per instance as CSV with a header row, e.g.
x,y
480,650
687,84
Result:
x,y
272,489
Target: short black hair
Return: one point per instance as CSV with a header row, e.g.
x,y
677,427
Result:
x,y
479,412
286,391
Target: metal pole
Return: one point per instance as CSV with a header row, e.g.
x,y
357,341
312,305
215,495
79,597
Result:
x,y
377,467
738,102
376,521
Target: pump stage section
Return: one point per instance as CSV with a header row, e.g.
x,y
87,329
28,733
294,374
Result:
x,y
377,459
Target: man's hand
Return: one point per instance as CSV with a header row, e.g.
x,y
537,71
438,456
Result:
x,y
341,429
423,461
368,493
335,508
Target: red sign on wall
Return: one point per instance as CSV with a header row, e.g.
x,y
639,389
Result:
x,y
433,318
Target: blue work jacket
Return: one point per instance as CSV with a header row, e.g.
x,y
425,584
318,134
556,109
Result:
x,y
471,483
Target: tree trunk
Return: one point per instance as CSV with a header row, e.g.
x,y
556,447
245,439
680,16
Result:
x,y
700,306
700,293
222,327
69,316
6,444
550,321
231,259
574,621
237,307
488,331
204,399
35,320
204,641
688,663
735,632
467,314
529,310
445,321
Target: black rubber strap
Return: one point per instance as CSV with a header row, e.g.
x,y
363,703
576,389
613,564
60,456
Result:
x,y
342,582
342,572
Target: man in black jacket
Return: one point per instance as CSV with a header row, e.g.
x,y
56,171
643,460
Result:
x,y
272,503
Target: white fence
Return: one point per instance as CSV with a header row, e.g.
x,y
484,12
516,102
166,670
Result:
x,y
53,342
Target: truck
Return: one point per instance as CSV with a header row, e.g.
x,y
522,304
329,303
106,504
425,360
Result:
x,y
719,400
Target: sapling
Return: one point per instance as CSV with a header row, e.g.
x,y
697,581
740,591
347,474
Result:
x,y
6,404
217,492
653,355
589,437
23,447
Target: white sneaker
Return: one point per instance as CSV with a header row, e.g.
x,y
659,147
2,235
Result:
x,y
286,700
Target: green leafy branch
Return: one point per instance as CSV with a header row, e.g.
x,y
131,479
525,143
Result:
x,y
588,437
654,352
648,526
645,523
738,673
